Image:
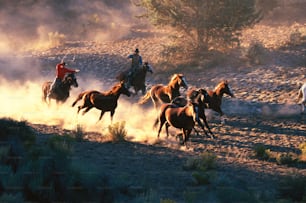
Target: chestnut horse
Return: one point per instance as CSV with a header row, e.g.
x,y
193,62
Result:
x,y
216,95
199,97
104,101
139,79
62,93
302,97
164,94
183,118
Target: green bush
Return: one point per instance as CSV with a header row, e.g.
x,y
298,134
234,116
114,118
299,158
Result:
x,y
261,152
205,161
45,172
117,132
287,159
257,53
293,187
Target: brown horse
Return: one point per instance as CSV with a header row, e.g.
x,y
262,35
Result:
x,y
216,97
201,98
104,101
62,93
139,79
183,118
164,94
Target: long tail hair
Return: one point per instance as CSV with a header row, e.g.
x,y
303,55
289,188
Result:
x,y
144,99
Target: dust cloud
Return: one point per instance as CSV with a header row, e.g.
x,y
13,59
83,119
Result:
x,y
40,24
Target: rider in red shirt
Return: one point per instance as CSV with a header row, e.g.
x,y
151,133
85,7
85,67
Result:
x,y
61,71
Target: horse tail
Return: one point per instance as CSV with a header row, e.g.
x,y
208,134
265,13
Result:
x,y
78,98
145,98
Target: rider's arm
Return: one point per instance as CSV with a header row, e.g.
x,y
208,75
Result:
x,y
140,60
69,70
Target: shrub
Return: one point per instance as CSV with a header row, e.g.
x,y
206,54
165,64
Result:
x,y
293,187
202,166
205,161
261,152
302,147
79,133
56,39
117,132
257,53
287,159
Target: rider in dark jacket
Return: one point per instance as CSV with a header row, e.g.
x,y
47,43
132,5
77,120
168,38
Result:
x,y
136,63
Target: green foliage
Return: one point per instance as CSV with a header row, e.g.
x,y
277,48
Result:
x,y
205,161
117,132
202,23
230,194
45,172
293,187
287,159
79,133
261,152
167,201
202,167
11,198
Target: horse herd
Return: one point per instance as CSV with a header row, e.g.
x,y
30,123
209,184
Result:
x,y
176,110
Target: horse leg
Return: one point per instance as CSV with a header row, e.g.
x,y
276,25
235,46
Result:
x,y
167,128
162,120
186,133
86,110
112,115
101,115
207,126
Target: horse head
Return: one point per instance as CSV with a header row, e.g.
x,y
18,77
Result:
x,y
224,88
147,67
71,80
180,80
123,89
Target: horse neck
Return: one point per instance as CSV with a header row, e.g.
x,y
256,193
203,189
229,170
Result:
x,y
219,92
174,87
66,86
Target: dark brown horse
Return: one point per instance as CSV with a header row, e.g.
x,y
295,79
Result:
x,y
164,94
183,118
199,97
216,97
139,79
62,93
104,101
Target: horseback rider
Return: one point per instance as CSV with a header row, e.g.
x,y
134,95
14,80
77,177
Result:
x,y
136,63
61,71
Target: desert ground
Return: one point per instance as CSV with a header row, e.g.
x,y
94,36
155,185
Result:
x,y
263,111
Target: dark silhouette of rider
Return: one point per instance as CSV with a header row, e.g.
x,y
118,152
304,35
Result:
x,y
61,71
136,63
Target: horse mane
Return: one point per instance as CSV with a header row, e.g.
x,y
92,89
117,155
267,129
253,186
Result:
x,y
224,82
174,77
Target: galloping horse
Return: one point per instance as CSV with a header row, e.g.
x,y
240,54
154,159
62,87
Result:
x,y
216,97
139,78
199,97
302,97
183,118
104,101
62,93
164,94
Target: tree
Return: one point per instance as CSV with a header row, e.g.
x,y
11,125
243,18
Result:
x,y
203,23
